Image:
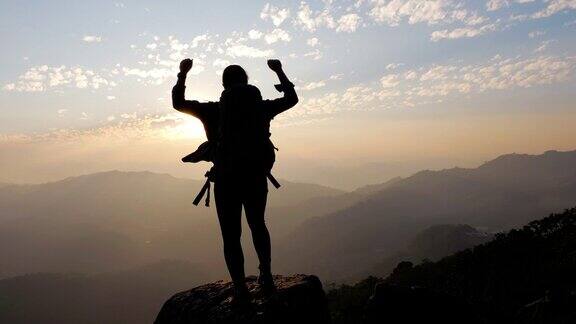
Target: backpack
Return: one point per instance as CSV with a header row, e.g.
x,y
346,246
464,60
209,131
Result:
x,y
243,142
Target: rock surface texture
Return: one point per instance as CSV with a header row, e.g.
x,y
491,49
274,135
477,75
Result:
x,y
299,299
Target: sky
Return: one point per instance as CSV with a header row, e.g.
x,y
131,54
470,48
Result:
x,y
85,85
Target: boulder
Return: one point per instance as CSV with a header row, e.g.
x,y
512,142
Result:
x,y
299,299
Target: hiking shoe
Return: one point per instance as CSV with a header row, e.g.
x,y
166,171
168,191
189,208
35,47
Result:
x,y
241,296
266,282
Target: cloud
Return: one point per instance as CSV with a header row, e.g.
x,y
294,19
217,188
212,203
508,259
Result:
x,y
393,66
220,63
177,46
470,19
62,111
536,33
255,34
319,84
357,97
313,85
199,39
310,20
348,23
543,46
389,81
312,41
410,75
277,35
159,60
129,128
437,82
553,7
497,74
402,88
493,5
437,73
431,12
156,62
315,54
275,14
393,12
9,87
156,75
129,116
464,32
92,39
242,50
521,73
44,77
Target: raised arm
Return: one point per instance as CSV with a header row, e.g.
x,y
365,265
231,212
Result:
x,y
179,103
290,98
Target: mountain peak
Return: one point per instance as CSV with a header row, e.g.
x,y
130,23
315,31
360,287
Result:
x,y
512,158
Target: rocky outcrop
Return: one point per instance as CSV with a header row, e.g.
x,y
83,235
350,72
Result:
x,y
299,299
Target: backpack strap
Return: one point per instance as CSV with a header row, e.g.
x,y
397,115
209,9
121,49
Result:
x,y
205,189
209,178
273,180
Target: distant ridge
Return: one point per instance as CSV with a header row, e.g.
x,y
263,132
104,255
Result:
x,y
508,191
116,219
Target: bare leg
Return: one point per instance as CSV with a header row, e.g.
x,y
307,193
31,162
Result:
x,y
229,209
255,208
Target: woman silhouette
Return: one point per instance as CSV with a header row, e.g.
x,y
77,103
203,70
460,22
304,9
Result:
x,y
243,158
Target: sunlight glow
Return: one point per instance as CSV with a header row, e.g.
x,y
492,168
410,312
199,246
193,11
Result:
x,y
189,128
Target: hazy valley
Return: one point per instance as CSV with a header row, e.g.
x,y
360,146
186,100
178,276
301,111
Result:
x,y
118,232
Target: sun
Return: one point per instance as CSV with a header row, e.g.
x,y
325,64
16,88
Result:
x,y
188,128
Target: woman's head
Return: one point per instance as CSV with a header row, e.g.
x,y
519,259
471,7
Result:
x,y
232,75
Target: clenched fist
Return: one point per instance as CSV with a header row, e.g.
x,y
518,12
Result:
x,y
275,65
185,65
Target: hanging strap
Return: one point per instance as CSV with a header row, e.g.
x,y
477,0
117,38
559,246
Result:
x,y
206,188
273,180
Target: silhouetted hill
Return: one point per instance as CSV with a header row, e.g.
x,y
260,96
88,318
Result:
x,y
438,241
288,218
132,296
114,220
506,192
431,244
523,276
515,269
126,191
353,176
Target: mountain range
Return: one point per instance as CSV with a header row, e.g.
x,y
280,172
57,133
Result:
x,y
117,220
508,191
88,234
